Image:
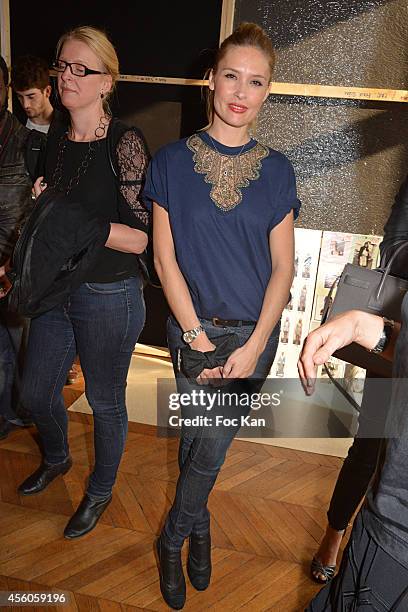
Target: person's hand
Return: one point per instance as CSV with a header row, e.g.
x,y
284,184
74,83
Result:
x,y
5,284
241,363
39,186
203,344
343,329
210,377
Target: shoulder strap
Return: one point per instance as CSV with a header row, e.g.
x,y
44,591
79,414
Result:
x,y
116,130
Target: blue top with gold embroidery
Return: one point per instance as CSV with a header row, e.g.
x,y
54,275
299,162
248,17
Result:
x,y
222,203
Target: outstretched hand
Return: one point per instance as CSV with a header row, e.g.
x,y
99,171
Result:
x,y
343,329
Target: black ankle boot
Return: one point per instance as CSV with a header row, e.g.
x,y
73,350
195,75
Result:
x,y
42,477
172,582
199,561
85,518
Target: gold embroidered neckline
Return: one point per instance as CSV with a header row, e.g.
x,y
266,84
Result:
x,y
227,174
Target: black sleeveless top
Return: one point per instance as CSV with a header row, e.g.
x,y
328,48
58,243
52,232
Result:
x,y
84,169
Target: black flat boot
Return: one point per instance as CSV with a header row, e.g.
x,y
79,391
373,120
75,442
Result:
x,y
86,516
42,477
172,581
199,561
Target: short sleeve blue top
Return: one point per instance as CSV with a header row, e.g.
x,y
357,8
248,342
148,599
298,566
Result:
x,y
222,250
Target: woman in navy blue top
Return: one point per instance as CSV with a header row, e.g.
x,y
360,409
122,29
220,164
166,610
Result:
x,y
223,206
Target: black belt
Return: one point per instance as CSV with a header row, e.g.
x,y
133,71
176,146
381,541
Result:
x,y
228,322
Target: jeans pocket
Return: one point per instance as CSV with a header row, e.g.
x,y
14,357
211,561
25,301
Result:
x,y
107,288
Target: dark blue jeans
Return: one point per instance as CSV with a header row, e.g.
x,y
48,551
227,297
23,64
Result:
x,y
13,331
202,452
100,322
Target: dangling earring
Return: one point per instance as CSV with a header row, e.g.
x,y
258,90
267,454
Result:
x,y
102,95
101,129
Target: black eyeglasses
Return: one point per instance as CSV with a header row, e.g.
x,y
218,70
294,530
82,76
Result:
x,y
76,69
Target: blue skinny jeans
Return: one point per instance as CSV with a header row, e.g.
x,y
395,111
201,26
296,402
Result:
x,y
100,322
202,452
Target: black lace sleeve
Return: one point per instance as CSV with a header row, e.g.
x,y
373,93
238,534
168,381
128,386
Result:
x,y
133,160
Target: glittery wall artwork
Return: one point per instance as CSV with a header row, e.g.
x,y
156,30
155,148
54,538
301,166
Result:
x,y
349,156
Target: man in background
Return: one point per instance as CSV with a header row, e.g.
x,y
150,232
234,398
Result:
x,y
30,81
19,157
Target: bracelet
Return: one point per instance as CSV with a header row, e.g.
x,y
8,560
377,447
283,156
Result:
x,y
384,338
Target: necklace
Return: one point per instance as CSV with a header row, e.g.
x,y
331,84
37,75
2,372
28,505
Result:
x,y
83,166
237,155
99,131
227,174
59,170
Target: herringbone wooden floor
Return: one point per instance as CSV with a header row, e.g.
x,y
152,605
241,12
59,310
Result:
x,y
268,510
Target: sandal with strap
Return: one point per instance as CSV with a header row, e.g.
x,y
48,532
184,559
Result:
x,y
327,571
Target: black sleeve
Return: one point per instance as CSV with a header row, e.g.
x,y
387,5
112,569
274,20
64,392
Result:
x,y
133,160
396,230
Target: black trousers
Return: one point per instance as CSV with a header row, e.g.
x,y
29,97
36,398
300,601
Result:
x,y
353,480
360,464
369,579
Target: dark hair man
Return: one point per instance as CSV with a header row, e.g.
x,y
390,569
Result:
x,y
31,83
19,156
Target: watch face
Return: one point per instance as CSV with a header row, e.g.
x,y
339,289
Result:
x,y
188,337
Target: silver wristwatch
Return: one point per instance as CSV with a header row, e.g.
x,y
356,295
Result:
x,y
192,334
385,336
